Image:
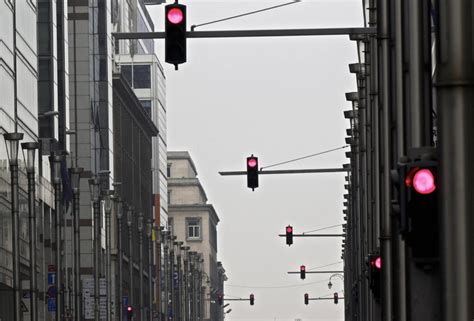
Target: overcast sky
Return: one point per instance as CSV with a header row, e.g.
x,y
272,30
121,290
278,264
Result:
x,y
279,99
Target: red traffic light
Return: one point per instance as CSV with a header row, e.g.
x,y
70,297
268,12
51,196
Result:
x,y
175,15
336,298
252,162
422,180
252,299
289,229
306,298
302,272
377,262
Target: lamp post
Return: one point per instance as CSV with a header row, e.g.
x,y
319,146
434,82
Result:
x,y
12,141
130,256
179,290
149,232
94,186
340,276
29,158
75,174
185,282
108,197
140,262
120,206
55,161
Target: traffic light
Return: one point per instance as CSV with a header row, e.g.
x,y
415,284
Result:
x,y
375,274
252,299
289,235
129,312
175,34
303,272
306,298
336,298
220,298
422,209
252,172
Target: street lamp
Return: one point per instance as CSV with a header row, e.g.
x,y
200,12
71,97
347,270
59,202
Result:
x,y
94,186
149,234
120,206
75,174
130,255
340,276
140,262
12,141
55,161
29,158
108,198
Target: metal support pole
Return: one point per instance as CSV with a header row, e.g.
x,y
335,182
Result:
x,y
77,262
179,290
108,276
455,94
29,158
150,266
96,206
384,101
15,234
186,284
120,259
55,161
165,303
140,264
130,254
171,276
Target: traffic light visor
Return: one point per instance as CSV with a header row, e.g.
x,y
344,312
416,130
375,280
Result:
x,y
175,15
252,162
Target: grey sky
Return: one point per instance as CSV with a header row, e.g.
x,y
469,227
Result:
x,y
279,99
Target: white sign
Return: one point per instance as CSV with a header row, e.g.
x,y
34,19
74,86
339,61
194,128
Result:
x,y
88,298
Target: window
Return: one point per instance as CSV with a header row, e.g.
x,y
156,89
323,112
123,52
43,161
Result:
x,y
147,106
126,71
168,170
141,76
193,227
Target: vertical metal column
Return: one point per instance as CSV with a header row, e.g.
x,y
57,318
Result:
x,y
120,210
186,286
149,233
108,262
400,278
56,160
455,94
130,253
384,101
140,264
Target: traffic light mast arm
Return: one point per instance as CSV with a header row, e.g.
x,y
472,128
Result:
x,y
237,299
318,272
252,33
290,171
314,235
318,299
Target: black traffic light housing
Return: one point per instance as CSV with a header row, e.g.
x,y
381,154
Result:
x,y
175,34
220,299
417,184
302,272
375,274
336,298
252,172
306,298
289,235
252,299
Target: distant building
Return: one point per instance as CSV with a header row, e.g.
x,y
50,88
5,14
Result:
x,y
194,222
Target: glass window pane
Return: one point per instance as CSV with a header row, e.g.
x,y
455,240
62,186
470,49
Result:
x,y
141,76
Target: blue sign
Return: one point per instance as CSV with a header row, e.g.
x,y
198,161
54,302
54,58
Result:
x,y
51,278
125,300
52,291
51,304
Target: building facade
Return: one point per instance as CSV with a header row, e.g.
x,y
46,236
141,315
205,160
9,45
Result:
x,y
194,222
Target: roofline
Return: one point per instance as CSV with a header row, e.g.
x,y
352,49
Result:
x,y
182,155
